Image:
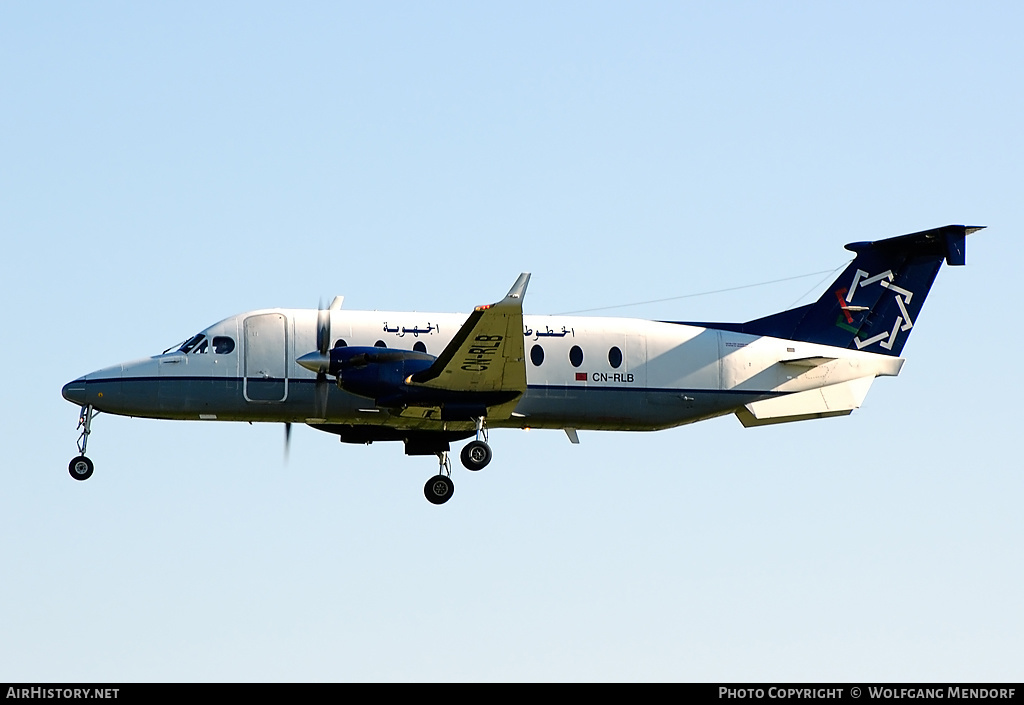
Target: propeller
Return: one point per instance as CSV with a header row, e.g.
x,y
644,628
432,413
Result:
x,y
319,362
323,346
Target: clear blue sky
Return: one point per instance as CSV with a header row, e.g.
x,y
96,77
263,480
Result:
x,y
165,166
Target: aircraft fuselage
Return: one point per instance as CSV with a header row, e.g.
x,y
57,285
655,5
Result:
x,y
584,373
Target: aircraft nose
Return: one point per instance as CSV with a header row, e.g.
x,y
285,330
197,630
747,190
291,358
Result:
x,y
74,392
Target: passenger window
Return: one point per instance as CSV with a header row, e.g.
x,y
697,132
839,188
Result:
x,y
615,357
379,344
419,347
576,356
222,344
339,343
537,355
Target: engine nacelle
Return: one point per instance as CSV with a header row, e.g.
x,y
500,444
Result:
x,y
377,373
380,374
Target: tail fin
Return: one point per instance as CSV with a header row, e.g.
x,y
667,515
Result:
x,y
874,303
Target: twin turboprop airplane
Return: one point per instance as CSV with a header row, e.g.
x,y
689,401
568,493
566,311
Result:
x,y
428,379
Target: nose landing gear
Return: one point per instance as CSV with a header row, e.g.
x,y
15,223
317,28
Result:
x,y
80,466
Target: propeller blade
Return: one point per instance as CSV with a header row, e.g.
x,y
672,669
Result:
x,y
287,439
323,346
323,330
322,388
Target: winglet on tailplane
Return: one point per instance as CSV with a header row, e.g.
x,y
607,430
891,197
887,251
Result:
x,y
874,303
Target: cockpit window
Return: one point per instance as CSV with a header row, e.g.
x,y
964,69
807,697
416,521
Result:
x,y
199,344
192,342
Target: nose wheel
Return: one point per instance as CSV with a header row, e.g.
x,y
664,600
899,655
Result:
x,y
80,466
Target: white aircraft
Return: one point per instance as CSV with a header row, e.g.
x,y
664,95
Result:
x,y
428,379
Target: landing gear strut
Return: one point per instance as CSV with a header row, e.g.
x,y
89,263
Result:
x,y
80,466
476,454
440,488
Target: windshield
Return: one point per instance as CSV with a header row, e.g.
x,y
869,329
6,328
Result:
x,y
192,342
199,344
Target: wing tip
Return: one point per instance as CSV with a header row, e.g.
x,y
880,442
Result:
x,y
518,289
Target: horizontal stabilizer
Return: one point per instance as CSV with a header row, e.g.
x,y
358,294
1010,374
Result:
x,y
809,361
834,400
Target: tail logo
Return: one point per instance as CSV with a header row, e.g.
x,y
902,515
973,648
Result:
x,y
902,297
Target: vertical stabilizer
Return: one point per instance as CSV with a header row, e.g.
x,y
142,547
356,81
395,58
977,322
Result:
x,y
875,302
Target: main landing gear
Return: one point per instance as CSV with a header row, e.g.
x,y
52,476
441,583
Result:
x,y
440,488
477,453
475,456
80,466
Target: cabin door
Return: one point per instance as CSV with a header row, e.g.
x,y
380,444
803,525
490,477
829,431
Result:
x,y
266,358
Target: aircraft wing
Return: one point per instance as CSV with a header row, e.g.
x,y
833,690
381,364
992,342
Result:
x,y
487,354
